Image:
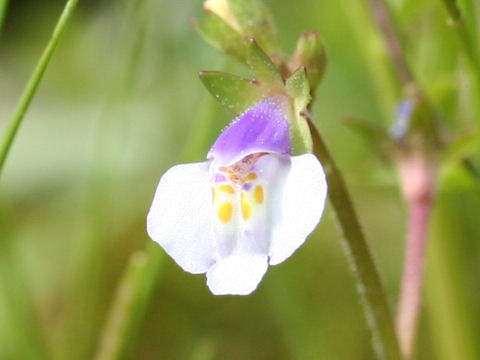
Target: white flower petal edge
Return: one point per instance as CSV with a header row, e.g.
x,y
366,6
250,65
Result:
x,y
238,274
180,218
300,207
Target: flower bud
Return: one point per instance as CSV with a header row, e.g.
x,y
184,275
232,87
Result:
x,y
309,53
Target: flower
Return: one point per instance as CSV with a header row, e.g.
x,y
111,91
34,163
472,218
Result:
x,y
250,205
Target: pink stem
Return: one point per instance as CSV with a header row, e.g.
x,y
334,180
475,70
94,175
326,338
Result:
x,y
418,184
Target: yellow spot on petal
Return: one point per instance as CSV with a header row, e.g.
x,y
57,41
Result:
x,y
214,193
226,188
246,208
225,211
251,176
258,194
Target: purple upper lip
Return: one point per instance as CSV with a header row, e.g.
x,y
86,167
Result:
x,y
263,128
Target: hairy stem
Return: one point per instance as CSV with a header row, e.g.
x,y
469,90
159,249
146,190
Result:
x,y
369,284
33,82
417,179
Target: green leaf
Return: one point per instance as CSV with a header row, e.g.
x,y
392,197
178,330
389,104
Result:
x,y
235,93
218,33
310,53
376,137
264,70
256,22
298,88
461,148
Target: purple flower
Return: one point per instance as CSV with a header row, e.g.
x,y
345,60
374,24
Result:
x,y
250,205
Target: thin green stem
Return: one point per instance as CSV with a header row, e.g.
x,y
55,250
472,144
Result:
x,y
33,82
383,19
467,35
3,11
378,65
457,20
369,284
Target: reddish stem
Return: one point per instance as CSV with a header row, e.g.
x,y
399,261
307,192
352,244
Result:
x,y
418,183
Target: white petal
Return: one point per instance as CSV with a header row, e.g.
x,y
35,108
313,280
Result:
x,y
180,218
238,274
301,206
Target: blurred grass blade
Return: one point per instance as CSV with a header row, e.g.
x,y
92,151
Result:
x,y
129,303
25,339
3,11
375,57
369,284
135,288
34,80
452,306
465,26
453,10
85,289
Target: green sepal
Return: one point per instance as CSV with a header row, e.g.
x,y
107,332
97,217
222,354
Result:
x,y
218,33
298,89
377,138
256,22
300,132
235,93
310,53
262,67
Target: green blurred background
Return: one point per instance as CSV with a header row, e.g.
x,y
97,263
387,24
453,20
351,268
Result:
x,y
121,102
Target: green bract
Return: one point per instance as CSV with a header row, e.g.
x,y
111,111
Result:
x,y
255,21
235,93
218,33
